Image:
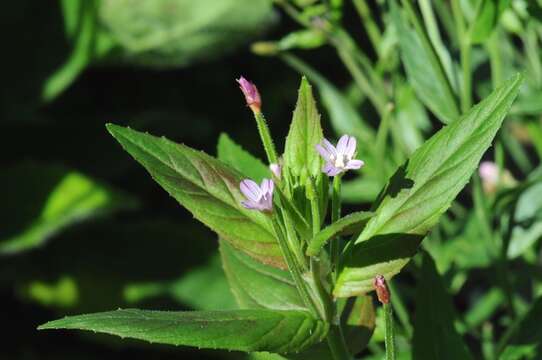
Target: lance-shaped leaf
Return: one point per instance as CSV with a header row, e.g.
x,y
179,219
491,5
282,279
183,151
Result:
x,y
435,336
305,133
349,224
207,188
243,330
486,19
424,70
421,190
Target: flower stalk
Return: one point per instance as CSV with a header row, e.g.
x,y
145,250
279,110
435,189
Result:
x,y
384,297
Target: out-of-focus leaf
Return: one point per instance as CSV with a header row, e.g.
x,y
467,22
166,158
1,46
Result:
x,y
528,217
300,153
422,190
486,18
90,43
168,33
528,333
411,120
63,293
424,71
350,224
359,323
256,285
241,160
302,39
38,201
434,334
202,288
206,187
244,330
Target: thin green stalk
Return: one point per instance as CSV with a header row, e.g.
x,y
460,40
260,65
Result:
x,y
465,55
337,345
364,11
265,135
335,245
295,271
495,58
400,310
389,338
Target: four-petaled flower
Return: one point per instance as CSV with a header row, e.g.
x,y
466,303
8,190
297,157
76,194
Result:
x,y
339,159
258,197
252,96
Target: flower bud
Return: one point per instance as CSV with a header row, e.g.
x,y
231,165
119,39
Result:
x,y
275,169
381,288
252,96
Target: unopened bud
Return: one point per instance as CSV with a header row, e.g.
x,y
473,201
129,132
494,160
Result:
x,y
275,169
252,96
381,288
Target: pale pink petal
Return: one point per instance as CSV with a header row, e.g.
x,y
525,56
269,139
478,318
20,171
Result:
x,y
329,147
267,187
341,145
323,152
249,204
330,169
354,164
351,147
251,190
276,169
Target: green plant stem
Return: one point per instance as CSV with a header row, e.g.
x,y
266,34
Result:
x,y
389,339
364,11
335,246
400,309
495,59
295,271
267,140
337,345
465,55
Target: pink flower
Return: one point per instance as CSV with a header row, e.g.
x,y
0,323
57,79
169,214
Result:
x,y
252,96
258,197
489,172
339,159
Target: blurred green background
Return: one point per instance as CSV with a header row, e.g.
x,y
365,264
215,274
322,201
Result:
x,y
84,228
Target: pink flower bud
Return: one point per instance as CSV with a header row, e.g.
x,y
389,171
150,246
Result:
x,y
252,96
275,169
381,288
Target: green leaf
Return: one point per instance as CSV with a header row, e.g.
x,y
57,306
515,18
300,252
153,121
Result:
x,y
527,216
424,70
207,188
420,191
347,225
177,33
362,189
434,334
486,19
243,330
300,153
241,160
256,285
43,200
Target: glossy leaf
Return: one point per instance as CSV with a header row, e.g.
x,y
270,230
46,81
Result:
x,y
244,330
206,187
241,160
349,224
42,200
424,70
305,133
435,336
422,190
